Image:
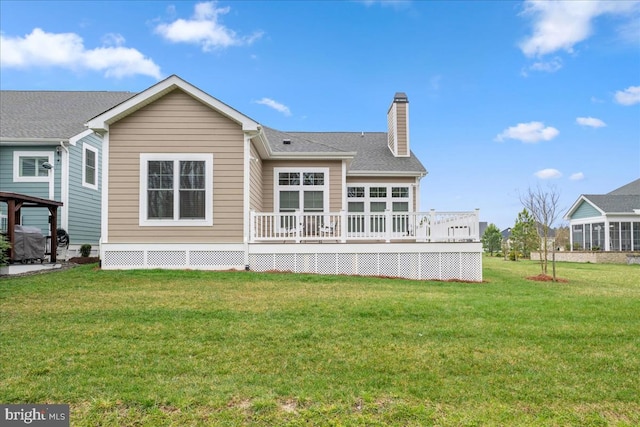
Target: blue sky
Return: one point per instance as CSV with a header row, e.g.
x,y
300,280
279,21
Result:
x,y
503,95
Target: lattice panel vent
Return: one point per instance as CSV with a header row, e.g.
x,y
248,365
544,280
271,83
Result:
x,y
306,263
326,263
347,264
368,264
123,259
471,267
166,258
216,258
450,265
285,262
430,266
409,266
261,262
389,264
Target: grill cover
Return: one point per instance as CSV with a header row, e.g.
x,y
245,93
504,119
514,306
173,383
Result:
x,y
29,243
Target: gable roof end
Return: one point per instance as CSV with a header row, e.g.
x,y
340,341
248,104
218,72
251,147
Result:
x,y
582,199
623,200
101,122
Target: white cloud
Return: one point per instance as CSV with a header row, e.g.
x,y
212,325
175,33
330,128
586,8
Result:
x,y
528,132
548,174
396,4
560,25
547,66
591,122
275,105
578,176
113,39
629,96
204,29
66,50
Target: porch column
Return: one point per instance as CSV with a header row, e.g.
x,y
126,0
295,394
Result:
x,y
53,226
11,225
343,226
388,226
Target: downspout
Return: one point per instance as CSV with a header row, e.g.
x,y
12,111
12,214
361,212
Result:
x,y
247,192
104,194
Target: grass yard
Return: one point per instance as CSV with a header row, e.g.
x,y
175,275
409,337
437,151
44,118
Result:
x,y
180,348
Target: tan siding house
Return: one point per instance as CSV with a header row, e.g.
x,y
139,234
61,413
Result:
x,y
189,182
172,124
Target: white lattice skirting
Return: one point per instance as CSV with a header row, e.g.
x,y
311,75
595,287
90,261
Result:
x,y
439,261
197,257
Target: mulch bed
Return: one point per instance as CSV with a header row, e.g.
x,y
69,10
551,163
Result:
x,y
84,260
546,278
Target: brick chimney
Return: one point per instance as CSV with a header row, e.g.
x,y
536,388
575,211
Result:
x,y
398,125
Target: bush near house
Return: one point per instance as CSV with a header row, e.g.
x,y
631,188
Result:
x,y
85,250
4,248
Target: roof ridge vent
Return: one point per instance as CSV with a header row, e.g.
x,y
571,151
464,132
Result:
x,y
286,141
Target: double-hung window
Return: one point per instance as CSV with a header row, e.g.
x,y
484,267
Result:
x,y
90,167
176,189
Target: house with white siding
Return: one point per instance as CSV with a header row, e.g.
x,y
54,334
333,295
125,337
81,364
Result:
x,y
190,182
48,153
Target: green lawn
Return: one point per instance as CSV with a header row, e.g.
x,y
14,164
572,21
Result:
x,y
150,348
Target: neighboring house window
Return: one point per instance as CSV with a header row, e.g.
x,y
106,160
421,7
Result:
x,y
28,166
176,189
90,167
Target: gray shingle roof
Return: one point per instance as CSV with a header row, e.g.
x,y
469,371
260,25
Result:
x,y
620,200
52,114
632,188
62,114
615,203
373,154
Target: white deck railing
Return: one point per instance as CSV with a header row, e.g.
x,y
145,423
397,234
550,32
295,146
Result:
x,y
386,226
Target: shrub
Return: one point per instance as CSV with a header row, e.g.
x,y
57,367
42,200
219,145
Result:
x,y
85,250
4,248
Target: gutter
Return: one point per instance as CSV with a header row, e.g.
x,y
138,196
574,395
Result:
x,y
32,141
388,173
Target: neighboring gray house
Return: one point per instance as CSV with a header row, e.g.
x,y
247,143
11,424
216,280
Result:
x,y
47,152
608,222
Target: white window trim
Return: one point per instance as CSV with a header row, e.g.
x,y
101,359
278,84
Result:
x,y
144,163
87,147
277,187
16,166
